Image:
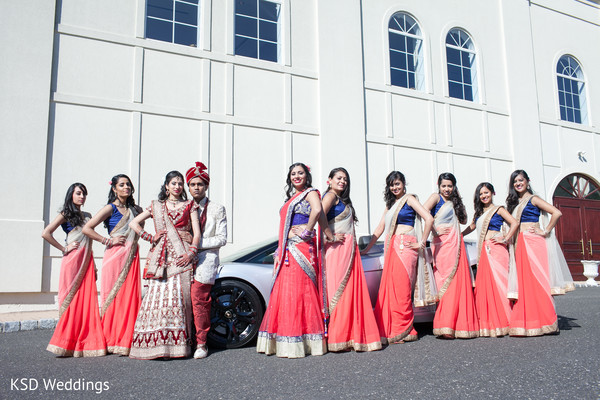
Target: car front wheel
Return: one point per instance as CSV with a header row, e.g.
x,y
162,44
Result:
x,y
235,315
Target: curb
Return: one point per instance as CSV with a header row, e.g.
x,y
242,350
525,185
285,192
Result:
x,y
28,325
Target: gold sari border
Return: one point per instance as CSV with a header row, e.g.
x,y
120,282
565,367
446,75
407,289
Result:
x,y
455,333
78,279
352,345
544,330
61,352
496,332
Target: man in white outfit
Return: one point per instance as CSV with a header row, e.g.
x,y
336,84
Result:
x,y
213,225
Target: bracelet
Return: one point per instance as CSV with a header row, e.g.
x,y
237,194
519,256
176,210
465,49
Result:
x,y
306,234
146,236
194,249
105,241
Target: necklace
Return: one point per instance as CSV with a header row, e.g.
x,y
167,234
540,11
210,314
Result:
x,y
120,203
174,202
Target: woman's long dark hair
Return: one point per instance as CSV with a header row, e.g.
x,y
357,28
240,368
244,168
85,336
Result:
x,y
112,196
345,195
512,200
162,195
459,207
289,188
478,205
388,196
73,215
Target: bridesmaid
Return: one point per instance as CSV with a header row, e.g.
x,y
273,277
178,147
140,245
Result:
x,y
293,325
120,279
78,332
491,283
404,268
352,325
455,316
541,270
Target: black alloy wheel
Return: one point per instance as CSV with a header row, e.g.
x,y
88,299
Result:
x,y
235,314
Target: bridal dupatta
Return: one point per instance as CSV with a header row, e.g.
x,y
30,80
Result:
x,y
293,323
540,271
352,323
455,315
120,288
78,332
491,284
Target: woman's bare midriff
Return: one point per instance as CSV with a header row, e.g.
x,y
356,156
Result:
x,y
403,229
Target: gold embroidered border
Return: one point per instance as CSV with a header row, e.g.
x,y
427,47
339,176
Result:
x,y
544,330
59,351
569,287
496,332
270,346
165,350
405,336
352,345
340,290
78,278
121,279
448,280
484,228
123,351
456,334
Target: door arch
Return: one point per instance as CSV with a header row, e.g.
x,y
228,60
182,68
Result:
x,y
577,196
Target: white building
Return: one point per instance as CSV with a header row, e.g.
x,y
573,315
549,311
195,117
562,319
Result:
x,y
86,93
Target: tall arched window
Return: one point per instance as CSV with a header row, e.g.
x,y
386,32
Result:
x,y
462,67
571,90
406,52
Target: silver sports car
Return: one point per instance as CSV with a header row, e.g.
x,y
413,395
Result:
x,y
241,291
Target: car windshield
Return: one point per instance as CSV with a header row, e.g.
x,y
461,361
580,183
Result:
x,y
260,253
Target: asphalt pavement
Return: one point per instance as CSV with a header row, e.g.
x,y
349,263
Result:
x,y
563,366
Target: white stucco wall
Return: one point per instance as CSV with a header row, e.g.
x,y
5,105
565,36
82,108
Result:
x,y
94,98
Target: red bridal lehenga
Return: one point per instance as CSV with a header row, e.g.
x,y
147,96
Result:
x,y
120,287
164,323
352,323
491,283
78,332
540,272
293,323
456,315
406,280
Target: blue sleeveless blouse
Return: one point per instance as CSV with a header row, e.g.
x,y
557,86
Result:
x,y
114,218
335,210
438,206
406,216
495,223
67,227
530,213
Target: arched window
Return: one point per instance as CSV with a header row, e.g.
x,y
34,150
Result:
x,y
571,90
406,52
578,187
462,67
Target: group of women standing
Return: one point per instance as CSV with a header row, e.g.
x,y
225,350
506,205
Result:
x,y
160,325
320,301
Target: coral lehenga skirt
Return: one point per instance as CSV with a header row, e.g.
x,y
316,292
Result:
x,y
456,315
78,332
121,296
352,324
394,307
491,287
293,324
533,314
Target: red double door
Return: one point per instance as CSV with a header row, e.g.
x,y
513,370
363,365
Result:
x,y
578,232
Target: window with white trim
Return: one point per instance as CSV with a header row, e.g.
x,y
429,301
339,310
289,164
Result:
x,y
174,21
406,52
571,90
462,67
257,29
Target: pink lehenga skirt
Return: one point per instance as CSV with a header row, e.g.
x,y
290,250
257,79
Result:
x,y
533,314
491,287
121,296
352,324
293,323
78,332
456,314
394,307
